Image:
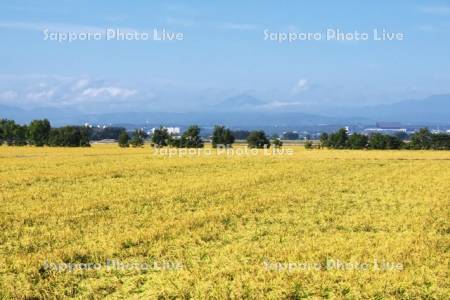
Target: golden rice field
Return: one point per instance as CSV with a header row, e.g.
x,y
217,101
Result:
x,y
315,224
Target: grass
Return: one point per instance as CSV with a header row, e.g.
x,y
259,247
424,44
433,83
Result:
x,y
215,223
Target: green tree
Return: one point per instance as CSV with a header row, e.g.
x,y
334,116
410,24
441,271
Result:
x,y
191,138
69,136
240,134
137,140
84,136
222,136
13,134
357,141
338,140
160,137
20,135
393,142
174,141
377,141
402,135
291,135
8,127
383,141
111,133
308,145
258,139
440,141
55,138
2,132
39,132
228,137
123,139
324,140
277,143
422,139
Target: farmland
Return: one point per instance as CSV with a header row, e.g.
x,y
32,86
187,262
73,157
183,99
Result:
x,y
318,224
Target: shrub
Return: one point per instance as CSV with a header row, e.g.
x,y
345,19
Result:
x,y
39,132
258,139
137,140
160,137
357,141
277,143
222,136
308,145
124,139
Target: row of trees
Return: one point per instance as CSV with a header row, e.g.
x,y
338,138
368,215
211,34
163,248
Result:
x,y
105,133
137,139
191,138
69,136
13,134
421,140
40,133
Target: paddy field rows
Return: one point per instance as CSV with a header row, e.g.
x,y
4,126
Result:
x,y
128,223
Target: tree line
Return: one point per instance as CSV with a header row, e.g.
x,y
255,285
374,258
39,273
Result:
x,y
424,139
222,137
40,133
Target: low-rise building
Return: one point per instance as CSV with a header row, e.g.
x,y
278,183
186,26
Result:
x,y
170,130
386,128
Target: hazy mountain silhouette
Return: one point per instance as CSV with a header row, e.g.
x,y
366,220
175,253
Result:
x,y
240,102
245,110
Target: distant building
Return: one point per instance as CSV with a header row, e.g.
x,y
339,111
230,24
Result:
x,y
170,130
389,125
386,128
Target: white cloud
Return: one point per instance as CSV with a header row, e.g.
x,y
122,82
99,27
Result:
x,y
302,85
109,91
278,104
8,95
56,91
40,95
435,9
80,84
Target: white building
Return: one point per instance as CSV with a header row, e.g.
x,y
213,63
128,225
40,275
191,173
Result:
x,y
387,128
170,130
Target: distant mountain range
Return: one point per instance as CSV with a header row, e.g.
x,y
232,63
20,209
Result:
x,y
432,110
239,103
244,110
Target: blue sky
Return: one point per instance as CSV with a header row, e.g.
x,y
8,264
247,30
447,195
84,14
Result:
x,y
223,54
